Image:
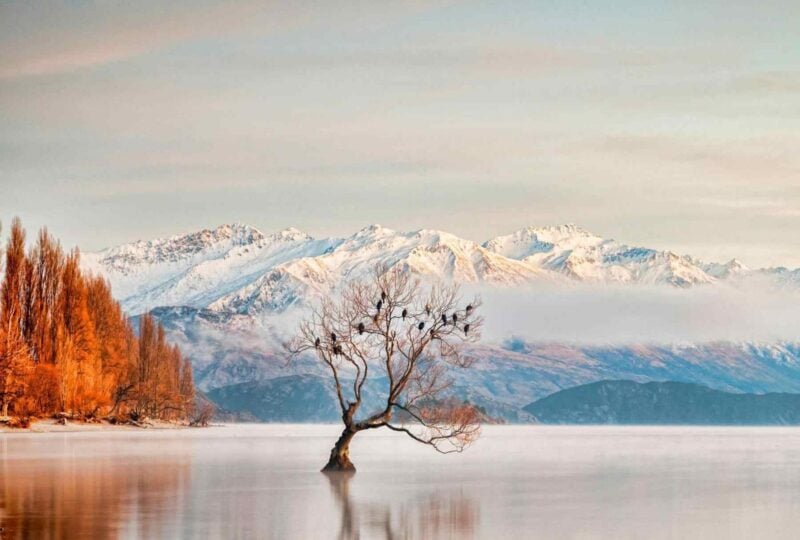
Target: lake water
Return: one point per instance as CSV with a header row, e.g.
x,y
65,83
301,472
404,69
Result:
x,y
262,481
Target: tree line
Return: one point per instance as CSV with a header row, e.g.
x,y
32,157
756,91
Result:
x,y
67,348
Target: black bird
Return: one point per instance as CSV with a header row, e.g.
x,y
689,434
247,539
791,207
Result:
x,y
333,337
444,318
383,295
405,312
360,328
316,343
379,305
421,325
469,308
466,329
455,318
337,350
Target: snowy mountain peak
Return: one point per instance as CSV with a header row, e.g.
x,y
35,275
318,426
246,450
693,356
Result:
x,y
374,230
575,252
533,240
179,247
726,270
240,232
289,234
560,233
237,269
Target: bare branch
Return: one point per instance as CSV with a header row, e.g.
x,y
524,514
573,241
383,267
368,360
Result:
x,y
393,326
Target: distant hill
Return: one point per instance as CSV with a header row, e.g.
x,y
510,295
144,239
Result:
x,y
311,398
629,402
295,398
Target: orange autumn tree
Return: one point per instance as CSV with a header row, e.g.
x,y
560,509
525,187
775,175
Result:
x,y
160,371
66,346
15,360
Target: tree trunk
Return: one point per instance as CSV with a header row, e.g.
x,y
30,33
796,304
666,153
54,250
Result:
x,y
340,454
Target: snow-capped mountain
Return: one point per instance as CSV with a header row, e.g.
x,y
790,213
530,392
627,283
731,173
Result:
x,y
199,268
427,253
581,255
226,297
238,269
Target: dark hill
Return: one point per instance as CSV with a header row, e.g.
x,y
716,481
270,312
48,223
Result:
x,y
629,402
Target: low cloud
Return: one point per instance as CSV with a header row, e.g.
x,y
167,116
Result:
x,y
616,315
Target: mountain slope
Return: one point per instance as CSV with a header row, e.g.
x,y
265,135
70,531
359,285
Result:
x,y
228,350
672,403
230,297
579,254
238,269
426,253
197,269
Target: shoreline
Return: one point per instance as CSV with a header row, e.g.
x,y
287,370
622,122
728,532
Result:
x,y
49,425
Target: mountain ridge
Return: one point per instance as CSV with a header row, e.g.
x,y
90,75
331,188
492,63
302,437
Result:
x,y
236,268
227,296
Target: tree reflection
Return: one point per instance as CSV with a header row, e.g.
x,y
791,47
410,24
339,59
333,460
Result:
x,y
439,514
89,497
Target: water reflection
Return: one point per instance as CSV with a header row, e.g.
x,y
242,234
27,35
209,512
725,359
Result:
x,y
437,514
340,487
526,482
70,495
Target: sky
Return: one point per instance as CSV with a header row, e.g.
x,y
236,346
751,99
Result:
x,y
670,126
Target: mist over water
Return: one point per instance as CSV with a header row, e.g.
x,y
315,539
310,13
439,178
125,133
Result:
x,y
262,481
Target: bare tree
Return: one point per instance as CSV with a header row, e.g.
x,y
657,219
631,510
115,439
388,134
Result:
x,y
390,326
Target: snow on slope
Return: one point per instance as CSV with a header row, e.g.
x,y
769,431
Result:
x,y
581,255
196,269
228,292
427,253
238,269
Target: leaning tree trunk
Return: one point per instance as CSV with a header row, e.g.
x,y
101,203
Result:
x,y
340,454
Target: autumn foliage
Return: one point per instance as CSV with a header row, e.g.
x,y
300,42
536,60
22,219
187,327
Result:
x,y
67,348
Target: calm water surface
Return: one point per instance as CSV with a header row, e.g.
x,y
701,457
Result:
x,y
261,481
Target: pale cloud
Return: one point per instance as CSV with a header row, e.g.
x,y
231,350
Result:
x,y
740,159
478,118
82,37
588,314
80,41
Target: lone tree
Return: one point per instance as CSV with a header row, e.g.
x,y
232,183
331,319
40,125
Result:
x,y
391,327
